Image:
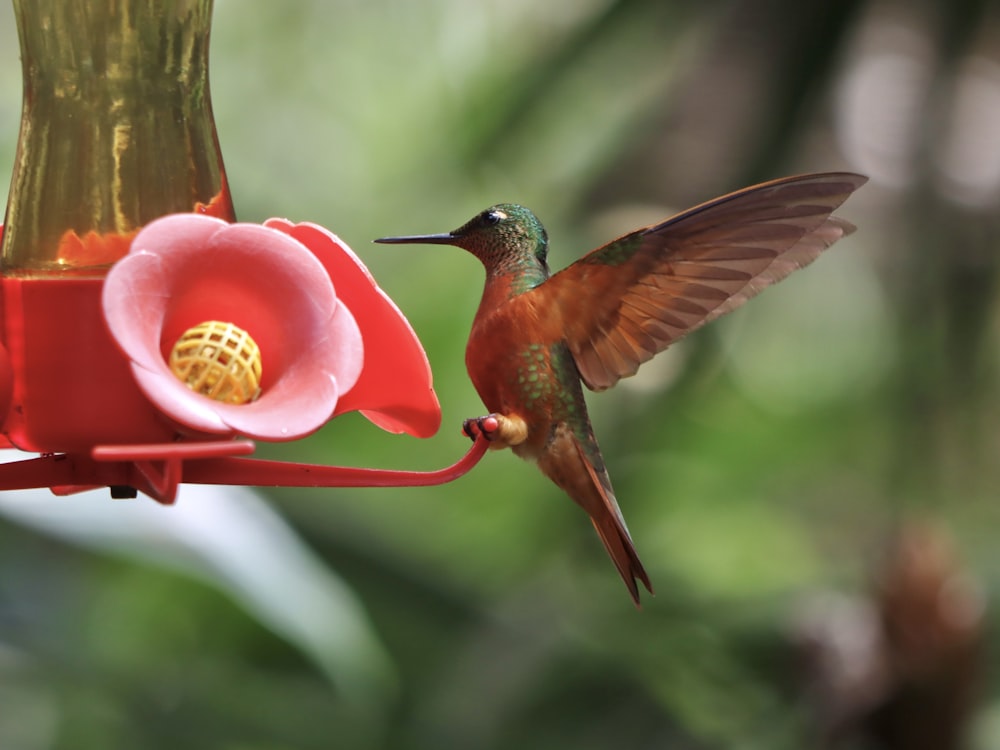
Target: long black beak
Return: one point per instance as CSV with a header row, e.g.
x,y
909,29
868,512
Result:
x,y
446,238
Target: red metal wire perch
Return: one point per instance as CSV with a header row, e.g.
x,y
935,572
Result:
x,y
262,473
157,470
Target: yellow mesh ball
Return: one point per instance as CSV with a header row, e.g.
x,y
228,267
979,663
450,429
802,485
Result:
x,y
218,360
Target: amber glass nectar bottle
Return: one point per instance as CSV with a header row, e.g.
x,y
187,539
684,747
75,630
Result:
x,y
116,130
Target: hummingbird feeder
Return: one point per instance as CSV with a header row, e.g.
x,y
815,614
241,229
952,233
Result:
x,y
146,338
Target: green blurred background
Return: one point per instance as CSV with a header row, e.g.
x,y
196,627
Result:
x,y
768,467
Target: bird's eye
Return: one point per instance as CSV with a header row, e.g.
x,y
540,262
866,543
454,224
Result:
x,y
491,217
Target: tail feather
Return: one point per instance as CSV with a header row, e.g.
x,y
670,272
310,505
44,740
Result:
x,y
610,526
566,463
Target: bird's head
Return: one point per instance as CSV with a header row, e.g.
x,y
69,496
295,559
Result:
x,y
505,237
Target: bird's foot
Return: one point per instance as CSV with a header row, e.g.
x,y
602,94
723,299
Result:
x,y
486,426
500,430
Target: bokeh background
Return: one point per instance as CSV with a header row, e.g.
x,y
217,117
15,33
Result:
x,y
812,483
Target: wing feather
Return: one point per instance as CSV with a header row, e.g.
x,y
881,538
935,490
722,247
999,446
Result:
x,y
659,283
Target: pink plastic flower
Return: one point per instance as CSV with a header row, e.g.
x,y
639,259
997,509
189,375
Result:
x,y
330,339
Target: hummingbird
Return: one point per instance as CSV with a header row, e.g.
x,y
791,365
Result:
x,y
538,338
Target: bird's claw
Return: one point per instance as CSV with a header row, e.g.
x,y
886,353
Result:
x,y
488,427
502,430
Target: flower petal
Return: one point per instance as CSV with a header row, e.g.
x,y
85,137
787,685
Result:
x,y
395,390
185,269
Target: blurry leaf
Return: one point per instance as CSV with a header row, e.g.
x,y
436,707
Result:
x,y
233,540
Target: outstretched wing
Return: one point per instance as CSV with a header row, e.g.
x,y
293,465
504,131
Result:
x,y
650,287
